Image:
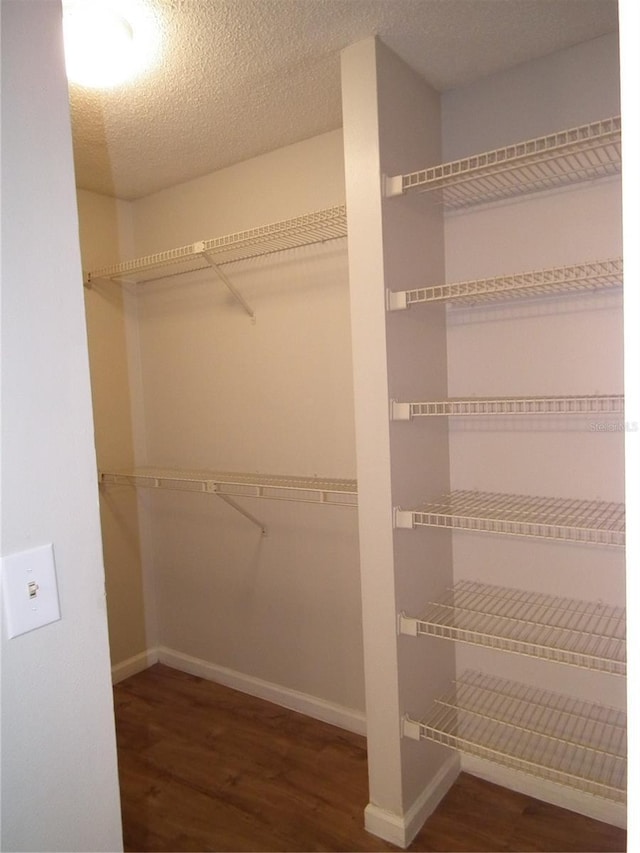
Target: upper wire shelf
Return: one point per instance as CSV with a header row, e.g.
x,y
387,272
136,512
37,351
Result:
x,y
574,278
547,735
582,153
228,484
311,228
565,519
595,404
590,635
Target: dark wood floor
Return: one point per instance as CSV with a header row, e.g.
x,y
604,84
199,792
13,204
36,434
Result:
x,y
203,767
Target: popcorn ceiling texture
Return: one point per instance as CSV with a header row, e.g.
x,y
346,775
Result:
x,y
237,78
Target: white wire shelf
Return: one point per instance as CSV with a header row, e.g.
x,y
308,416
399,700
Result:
x,y
590,635
554,737
569,156
229,484
575,278
309,229
580,521
596,404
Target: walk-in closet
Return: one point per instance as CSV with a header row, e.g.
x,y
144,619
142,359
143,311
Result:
x,y
360,428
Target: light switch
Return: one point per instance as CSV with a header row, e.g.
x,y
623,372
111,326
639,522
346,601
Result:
x,y
29,590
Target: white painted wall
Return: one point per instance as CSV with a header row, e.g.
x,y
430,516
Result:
x,y
557,91
59,773
630,68
219,392
106,236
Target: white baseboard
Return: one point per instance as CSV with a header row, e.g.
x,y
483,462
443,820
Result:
x,y
402,829
550,792
319,709
133,665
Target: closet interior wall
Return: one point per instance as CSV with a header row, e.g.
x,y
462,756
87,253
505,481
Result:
x,y
106,234
212,389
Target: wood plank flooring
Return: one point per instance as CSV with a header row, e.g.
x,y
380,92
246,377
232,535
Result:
x,y
205,768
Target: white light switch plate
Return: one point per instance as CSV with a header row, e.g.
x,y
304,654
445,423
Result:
x,y
29,590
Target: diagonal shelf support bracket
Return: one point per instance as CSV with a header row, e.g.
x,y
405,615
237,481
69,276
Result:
x,y
243,511
233,290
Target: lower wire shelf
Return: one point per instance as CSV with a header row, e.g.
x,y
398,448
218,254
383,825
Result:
x,y
544,734
590,635
565,519
229,484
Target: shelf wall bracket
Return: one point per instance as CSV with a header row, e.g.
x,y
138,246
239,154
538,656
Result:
x,y
410,728
242,511
399,411
392,186
403,518
233,290
407,625
397,300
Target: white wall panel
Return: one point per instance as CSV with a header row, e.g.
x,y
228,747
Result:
x,y
274,396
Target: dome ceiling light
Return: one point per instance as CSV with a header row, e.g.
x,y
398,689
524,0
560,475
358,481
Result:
x,y
106,43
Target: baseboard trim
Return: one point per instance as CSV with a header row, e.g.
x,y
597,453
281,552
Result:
x,y
550,792
402,829
328,712
133,665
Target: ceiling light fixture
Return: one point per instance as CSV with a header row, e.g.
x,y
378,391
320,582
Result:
x,y
105,45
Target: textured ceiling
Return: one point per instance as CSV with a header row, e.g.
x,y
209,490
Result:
x,y
236,78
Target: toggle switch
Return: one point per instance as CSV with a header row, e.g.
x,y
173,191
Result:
x,y
30,590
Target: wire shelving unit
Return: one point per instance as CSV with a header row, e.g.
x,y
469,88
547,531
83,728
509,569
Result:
x,y
552,737
590,635
317,227
582,153
596,404
585,277
309,229
565,519
544,734
228,486
272,487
